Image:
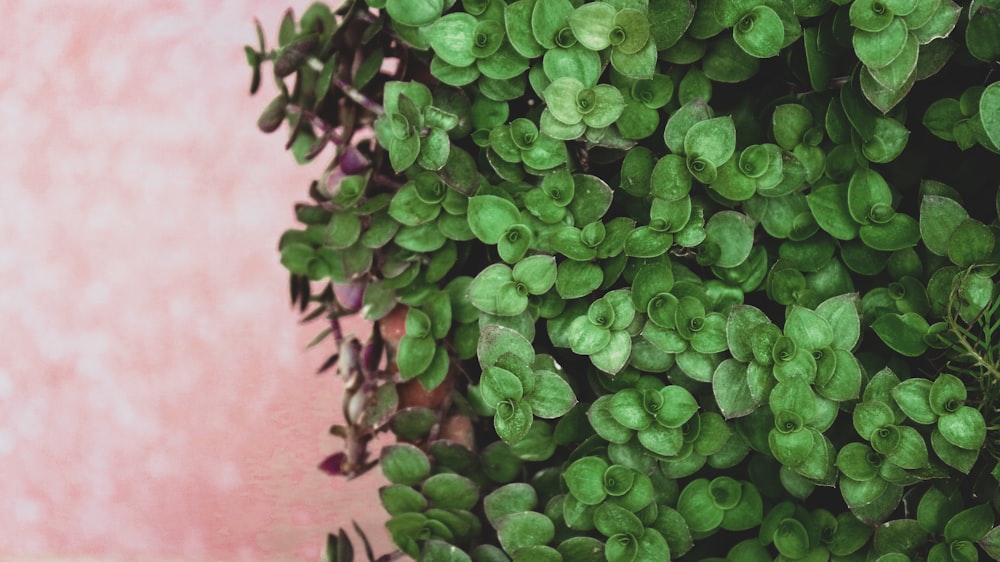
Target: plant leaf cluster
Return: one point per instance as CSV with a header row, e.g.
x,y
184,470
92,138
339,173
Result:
x,y
655,279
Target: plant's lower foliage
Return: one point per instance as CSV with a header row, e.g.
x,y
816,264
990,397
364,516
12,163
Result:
x,y
656,279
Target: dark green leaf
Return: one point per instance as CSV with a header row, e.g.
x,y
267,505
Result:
x,y
450,491
399,499
970,524
404,464
760,32
520,530
939,218
964,428
696,504
414,12
506,500
731,389
489,216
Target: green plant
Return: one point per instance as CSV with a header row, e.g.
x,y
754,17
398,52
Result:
x,y
656,279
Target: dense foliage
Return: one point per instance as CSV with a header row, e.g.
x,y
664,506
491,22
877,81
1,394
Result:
x,y
656,279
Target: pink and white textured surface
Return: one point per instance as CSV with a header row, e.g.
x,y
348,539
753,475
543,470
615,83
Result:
x,y
156,401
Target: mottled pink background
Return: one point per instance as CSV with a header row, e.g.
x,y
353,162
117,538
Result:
x,y
156,400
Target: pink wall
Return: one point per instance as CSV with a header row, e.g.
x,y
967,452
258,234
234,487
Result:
x,y
156,401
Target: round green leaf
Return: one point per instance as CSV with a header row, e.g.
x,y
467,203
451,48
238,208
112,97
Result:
x,y
639,65
733,233
760,32
845,381
496,341
628,408
947,394
607,106
630,32
490,216
537,273
913,397
790,123
441,551
504,64
452,38
791,539
487,38
512,420
696,504
969,524
956,457
585,479
550,396
605,424
485,288
652,280
517,23
645,242
415,355
561,99
548,19
450,491
670,179
680,122
711,336
843,315
414,12
870,15
586,338
971,242
896,74
939,218
870,416
731,389
575,61
904,333
618,480
612,519
911,451
576,279
546,153
514,243
964,428
858,462
862,493
497,385
711,139
404,464
725,492
592,24
742,321
519,530
794,395
614,356
877,49
582,549
662,440
866,191
591,198
678,406
809,329
900,232
398,499
938,23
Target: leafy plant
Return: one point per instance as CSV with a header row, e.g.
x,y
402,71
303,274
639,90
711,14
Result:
x,y
655,279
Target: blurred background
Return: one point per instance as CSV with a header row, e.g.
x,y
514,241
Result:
x,y
156,398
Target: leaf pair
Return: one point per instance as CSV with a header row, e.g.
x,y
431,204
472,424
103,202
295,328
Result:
x,y
601,333
942,402
505,291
